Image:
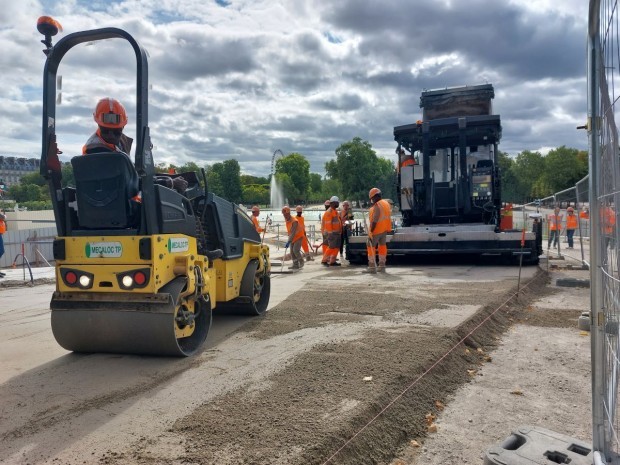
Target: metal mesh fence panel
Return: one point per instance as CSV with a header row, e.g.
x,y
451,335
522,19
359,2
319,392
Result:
x,y
604,192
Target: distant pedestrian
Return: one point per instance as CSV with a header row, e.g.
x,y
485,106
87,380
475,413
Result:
x,y
555,225
295,236
346,218
255,213
2,231
380,217
333,227
571,225
302,223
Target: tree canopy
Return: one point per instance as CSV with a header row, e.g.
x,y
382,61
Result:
x,y
358,169
531,175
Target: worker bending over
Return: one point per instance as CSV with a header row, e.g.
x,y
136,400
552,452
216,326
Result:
x,y
295,237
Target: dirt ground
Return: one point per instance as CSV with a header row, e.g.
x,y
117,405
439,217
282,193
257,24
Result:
x,y
539,376
343,371
383,330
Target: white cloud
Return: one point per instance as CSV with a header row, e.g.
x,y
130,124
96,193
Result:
x,y
254,76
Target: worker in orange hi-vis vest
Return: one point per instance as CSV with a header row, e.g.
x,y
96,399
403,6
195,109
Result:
x,y
324,260
608,217
295,238
584,214
255,213
302,223
571,225
380,217
555,226
333,227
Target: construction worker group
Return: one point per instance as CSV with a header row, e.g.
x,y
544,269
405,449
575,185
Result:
x,y
557,223
336,225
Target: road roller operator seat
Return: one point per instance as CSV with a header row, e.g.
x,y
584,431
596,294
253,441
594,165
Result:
x,y
106,184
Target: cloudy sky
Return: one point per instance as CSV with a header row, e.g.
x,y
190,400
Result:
x,y
242,78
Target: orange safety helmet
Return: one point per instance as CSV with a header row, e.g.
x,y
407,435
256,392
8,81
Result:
x,y
256,209
110,113
374,191
570,209
298,209
286,209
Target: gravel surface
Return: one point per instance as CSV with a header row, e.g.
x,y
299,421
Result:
x,y
345,369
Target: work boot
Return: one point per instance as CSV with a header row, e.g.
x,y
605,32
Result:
x,y
309,258
301,263
324,263
381,268
335,264
294,267
370,269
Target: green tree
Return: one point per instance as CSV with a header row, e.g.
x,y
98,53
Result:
x,y
256,194
68,179
315,182
224,179
27,192
528,168
510,183
563,168
231,179
330,187
247,180
358,168
214,179
33,178
297,168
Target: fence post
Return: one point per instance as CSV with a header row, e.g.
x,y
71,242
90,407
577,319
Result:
x,y
597,319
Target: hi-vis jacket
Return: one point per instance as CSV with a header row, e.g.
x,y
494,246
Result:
x,y
381,214
332,221
302,223
555,221
95,143
609,219
295,232
571,221
256,224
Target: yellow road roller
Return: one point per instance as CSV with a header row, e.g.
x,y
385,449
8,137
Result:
x,y
140,266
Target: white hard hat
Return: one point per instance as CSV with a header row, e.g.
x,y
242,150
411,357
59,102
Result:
x,y
334,199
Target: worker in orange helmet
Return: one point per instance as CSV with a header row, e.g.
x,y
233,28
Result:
x,y
571,225
380,217
302,224
324,260
255,213
111,119
295,238
333,228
